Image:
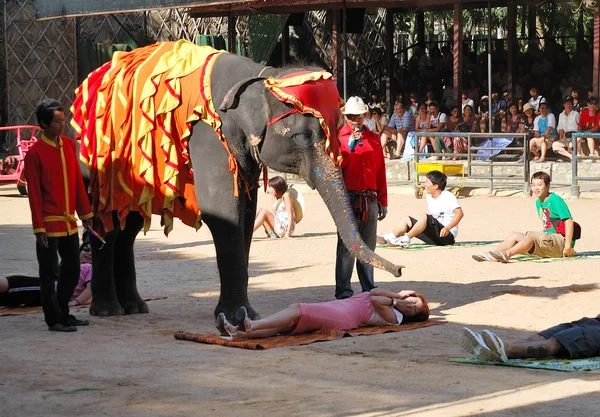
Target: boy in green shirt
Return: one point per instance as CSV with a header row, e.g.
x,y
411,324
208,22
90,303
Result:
x,y
557,238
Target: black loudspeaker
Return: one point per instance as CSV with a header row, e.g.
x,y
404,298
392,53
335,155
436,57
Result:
x,y
355,19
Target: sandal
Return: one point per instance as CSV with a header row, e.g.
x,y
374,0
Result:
x,y
482,257
242,317
499,256
473,343
496,345
225,328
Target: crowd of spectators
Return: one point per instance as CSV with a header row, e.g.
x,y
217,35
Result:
x,y
559,102
548,133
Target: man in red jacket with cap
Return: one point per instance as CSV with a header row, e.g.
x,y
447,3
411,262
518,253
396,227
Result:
x,y
363,168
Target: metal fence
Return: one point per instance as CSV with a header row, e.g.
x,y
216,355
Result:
x,y
518,158
575,178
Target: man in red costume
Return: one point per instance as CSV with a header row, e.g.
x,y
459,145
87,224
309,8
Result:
x,y
363,168
56,190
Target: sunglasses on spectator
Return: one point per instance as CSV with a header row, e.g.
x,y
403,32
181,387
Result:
x,y
355,116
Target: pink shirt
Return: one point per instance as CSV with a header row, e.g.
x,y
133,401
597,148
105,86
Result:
x,y
85,276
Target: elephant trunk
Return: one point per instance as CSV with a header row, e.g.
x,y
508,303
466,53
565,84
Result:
x,y
328,181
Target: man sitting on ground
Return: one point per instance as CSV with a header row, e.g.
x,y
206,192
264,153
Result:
x,y
576,340
556,241
438,228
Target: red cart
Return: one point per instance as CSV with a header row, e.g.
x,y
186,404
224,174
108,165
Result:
x,y
11,168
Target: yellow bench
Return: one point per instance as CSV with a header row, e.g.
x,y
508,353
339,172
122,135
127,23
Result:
x,y
450,169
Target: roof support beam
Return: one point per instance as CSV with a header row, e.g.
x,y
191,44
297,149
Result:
x,y
457,67
595,70
389,54
511,50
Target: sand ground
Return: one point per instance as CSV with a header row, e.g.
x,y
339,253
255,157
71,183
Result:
x,y
133,366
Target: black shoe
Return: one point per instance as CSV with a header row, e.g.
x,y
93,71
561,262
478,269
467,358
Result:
x,y
73,321
62,328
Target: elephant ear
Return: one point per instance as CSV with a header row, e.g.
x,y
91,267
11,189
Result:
x,y
231,98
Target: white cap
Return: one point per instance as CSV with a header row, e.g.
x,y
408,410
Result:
x,y
355,105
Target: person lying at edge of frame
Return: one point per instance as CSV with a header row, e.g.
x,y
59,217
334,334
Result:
x,y
20,290
575,340
378,307
559,233
438,228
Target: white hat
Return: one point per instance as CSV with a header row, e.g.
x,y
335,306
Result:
x,y
355,105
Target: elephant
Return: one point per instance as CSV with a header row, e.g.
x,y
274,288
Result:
x,y
260,130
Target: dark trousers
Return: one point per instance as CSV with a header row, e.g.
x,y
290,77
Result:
x,y
55,297
22,290
344,263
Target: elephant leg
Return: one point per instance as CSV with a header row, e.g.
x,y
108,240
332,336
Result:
x,y
233,268
229,218
104,293
125,275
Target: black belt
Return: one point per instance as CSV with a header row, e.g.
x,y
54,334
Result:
x,y
361,206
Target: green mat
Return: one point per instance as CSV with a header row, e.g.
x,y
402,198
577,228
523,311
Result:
x,y
424,246
563,365
580,255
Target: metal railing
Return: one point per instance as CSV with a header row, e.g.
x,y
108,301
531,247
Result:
x,y
575,178
474,159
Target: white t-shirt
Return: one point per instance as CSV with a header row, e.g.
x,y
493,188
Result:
x,y
568,123
435,121
442,209
535,102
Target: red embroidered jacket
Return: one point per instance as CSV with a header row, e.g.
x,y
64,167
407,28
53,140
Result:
x,y
55,187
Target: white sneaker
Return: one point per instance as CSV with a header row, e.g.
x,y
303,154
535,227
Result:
x,y
433,158
402,241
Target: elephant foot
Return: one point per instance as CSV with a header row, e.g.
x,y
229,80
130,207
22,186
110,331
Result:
x,y
231,310
136,307
105,308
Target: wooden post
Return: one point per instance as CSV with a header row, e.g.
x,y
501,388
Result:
x,y
389,54
285,42
512,48
336,47
231,33
421,29
531,26
596,51
458,55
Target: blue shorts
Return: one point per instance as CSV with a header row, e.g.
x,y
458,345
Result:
x,y
580,338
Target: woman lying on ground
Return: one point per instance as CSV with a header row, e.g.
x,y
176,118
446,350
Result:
x,y
378,307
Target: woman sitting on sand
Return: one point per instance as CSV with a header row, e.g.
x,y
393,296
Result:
x,y
378,307
283,222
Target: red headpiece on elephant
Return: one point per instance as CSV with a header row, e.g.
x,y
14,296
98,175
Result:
x,y
312,93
